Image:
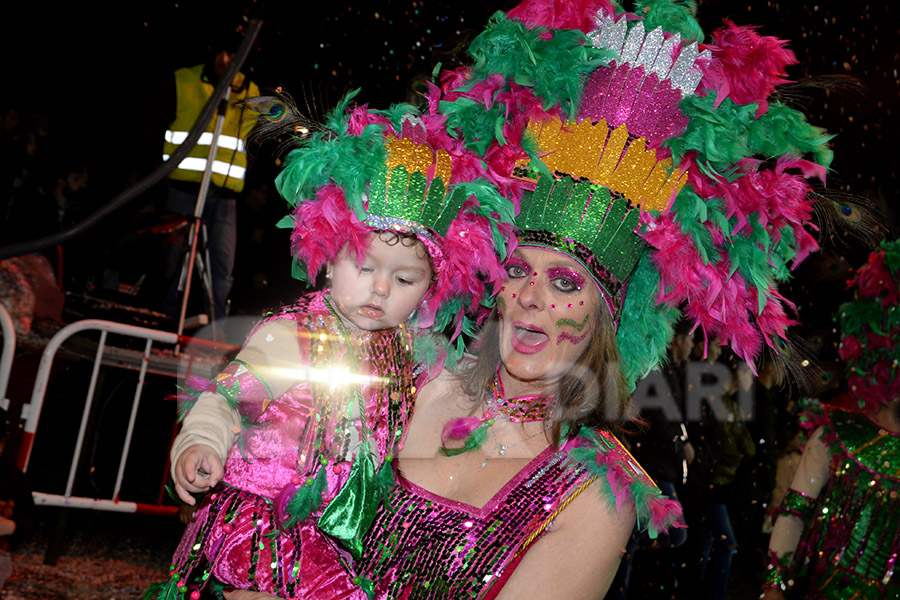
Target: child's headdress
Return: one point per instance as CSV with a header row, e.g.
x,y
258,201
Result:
x,y
662,164
870,329
397,170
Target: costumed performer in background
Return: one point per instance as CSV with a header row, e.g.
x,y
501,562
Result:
x,y
837,534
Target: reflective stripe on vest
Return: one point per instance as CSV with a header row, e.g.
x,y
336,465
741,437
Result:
x,y
220,167
230,161
228,142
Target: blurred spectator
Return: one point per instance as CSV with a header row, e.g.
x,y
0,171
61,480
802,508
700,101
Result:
x,y
661,447
722,442
176,107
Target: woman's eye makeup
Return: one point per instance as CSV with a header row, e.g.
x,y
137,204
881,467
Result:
x,y
516,267
565,280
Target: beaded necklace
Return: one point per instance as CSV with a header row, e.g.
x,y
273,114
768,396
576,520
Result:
x,y
474,430
519,409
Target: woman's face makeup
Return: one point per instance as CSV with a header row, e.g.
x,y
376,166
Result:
x,y
546,307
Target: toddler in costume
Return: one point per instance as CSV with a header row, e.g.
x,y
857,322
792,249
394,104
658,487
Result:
x,y
410,231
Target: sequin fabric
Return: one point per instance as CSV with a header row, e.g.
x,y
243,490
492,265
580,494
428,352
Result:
x,y
850,547
425,546
236,536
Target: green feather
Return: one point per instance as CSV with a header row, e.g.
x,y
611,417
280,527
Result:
x,y
554,67
475,440
164,590
674,16
691,212
306,500
719,135
783,130
645,329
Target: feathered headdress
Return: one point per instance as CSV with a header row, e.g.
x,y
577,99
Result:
x,y
398,170
664,165
870,329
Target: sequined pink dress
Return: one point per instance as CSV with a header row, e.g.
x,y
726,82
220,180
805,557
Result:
x,y
424,546
302,439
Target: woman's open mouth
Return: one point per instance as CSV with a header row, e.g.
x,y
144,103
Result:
x,y
527,338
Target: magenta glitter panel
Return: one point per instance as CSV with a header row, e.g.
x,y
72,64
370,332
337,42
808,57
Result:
x,y
425,546
623,94
287,441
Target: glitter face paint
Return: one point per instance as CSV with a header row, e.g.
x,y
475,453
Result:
x,y
567,280
568,337
539,312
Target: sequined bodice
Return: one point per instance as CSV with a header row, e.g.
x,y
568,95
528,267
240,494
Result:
x,y
431,547
316,423
857,522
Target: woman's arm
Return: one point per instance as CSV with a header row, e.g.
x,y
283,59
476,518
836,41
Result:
x,y
579,556
807,484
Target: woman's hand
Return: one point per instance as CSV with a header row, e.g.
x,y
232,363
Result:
x,y
248,595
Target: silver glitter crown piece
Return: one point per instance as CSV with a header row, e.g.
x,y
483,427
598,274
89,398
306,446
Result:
x,y
653,51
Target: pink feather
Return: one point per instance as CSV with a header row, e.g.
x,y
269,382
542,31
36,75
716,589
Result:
x,y
323,226
619,482
459,429
665,513
561,14
746,66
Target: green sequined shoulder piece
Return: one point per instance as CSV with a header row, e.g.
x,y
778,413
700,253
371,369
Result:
x,y
876,450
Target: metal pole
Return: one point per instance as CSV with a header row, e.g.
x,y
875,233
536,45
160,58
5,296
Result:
x,y
197,223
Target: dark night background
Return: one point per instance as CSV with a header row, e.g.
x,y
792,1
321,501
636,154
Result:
x,y
81,75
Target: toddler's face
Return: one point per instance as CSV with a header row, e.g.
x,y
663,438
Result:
x,y
388,286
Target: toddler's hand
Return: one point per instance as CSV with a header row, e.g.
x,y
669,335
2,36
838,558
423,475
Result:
x,y
197,470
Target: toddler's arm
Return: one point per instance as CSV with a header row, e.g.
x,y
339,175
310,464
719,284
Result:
x,y
198,453
212,426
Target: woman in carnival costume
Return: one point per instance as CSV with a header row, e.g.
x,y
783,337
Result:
x,y
837,534
661,180
658,179
410,232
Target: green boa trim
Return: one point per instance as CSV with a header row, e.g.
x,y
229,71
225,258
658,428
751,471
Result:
x,y
674,16
645,329
723,135
642,492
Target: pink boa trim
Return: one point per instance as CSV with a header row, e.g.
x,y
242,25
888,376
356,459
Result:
x,y
470,264
721,303
561,14
323,226
779,197
746,66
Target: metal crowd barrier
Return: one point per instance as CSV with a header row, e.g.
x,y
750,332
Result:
x,y
107,355
6,354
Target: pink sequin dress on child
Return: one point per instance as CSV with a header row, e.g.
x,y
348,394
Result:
x,y
304,438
